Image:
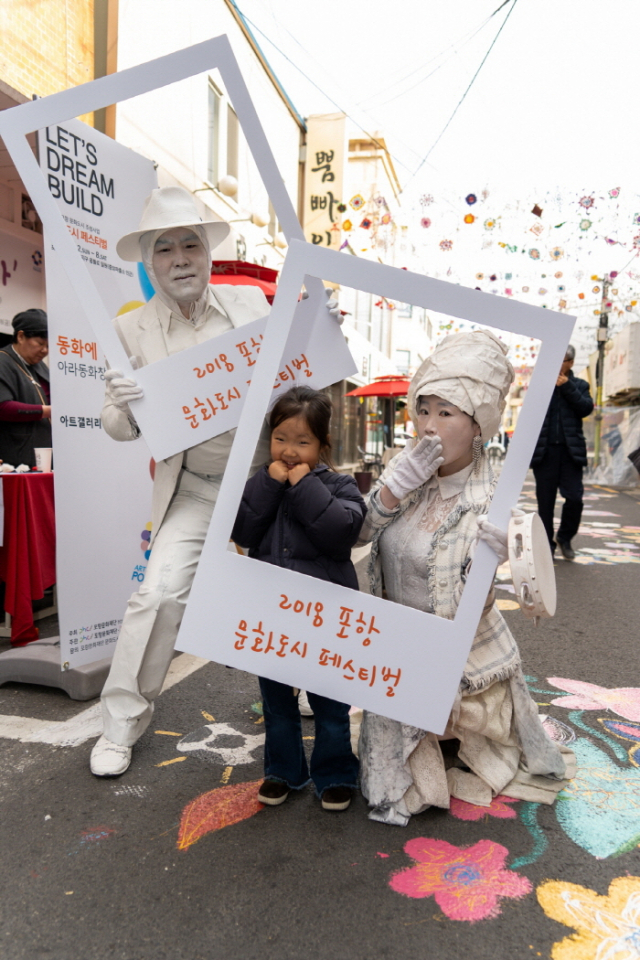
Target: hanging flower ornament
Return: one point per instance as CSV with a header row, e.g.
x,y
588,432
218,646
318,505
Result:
x,y
341,208
386,218
585,224
426,199
489,224
425,222
534,253
614,193
365,223
587,202
471,199
357,202
446,244
558,274
469,218
557,253
347,225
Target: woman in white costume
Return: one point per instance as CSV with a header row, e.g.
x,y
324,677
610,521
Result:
x,y
425,516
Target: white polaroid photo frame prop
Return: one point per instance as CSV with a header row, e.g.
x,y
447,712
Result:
x,y
160,414
284,625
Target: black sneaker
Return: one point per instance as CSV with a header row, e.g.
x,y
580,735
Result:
x,y
566,549
336,798
273,793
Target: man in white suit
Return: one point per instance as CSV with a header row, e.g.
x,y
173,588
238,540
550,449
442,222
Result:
x,y
175,246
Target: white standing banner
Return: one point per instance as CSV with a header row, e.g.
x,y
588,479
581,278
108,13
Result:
x,y
337,642
102,488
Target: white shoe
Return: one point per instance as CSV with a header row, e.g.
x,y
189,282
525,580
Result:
x,y
109,759
303,704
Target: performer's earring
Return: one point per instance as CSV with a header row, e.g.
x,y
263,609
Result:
x,y
477,453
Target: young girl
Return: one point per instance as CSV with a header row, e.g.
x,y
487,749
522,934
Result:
x,y
298,514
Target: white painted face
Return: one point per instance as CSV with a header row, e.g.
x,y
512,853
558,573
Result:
x,y
456,429
181,265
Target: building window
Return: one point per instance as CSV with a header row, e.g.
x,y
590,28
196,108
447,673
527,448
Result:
x,y
403,361
213,172
232,142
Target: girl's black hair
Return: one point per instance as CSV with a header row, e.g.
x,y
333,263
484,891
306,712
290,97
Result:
x,y
316,409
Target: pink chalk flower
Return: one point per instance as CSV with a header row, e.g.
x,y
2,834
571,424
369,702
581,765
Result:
x,y
469,811
625,701
466,882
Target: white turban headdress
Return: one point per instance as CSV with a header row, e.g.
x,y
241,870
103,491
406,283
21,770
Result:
x,y
471,371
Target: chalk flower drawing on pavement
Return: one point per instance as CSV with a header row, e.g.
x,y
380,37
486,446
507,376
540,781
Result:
x,y
467,883
223,742
625,731
625,701
607,927
469,811
217,809
600,808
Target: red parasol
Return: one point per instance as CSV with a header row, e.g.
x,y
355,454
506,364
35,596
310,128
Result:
x,y
393,385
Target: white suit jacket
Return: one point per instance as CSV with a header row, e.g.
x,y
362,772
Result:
x,y
141,336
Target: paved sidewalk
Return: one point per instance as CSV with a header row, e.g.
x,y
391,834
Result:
x,y
175,859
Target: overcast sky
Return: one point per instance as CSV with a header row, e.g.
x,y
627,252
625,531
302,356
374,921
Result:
x,y
550,118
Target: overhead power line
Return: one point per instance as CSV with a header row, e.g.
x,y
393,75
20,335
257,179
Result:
x,y
463,97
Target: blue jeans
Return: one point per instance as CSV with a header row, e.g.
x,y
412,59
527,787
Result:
x,y
333,763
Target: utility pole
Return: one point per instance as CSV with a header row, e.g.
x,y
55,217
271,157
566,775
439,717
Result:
x,y
602,336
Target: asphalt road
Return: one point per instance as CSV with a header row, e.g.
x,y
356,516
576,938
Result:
x,y
133,869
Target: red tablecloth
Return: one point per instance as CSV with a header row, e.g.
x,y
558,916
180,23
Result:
x,y
28,556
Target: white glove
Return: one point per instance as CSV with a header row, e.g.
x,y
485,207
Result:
x,y
332,306
122,390
494,536
416,467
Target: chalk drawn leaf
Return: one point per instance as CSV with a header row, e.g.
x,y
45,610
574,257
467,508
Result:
x,y
625,701
606,927
600,808
625,731
467,883
469,811
217,809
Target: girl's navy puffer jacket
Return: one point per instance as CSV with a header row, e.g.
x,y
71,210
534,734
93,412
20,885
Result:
x,y
309,527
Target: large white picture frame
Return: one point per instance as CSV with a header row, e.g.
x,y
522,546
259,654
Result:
x,y
171,384
234,597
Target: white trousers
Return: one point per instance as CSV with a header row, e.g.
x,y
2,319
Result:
x,y
154,614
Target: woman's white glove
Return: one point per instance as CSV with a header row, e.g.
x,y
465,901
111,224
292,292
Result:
x,y
416,467
494,536
122,390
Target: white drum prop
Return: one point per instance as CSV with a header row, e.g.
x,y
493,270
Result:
x,y
531,564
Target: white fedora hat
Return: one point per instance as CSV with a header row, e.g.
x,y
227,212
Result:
x,y
164,209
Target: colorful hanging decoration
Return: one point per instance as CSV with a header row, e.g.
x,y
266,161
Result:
x,y
581,296
537,211
537,228
357,202
561,288
469,218
525,289
585,224
347,225
446,244
385,219
479,276
595,290
365,223
493,278
558,274
489,224
426,199
557,253
614,193
562,304
534,253
542,291
425,222
636,242
587,202
471,199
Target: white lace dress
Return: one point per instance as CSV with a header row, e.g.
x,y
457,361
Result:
x,y
403,769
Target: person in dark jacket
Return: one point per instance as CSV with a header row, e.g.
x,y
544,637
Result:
x,y
298,514
561,455
25,398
